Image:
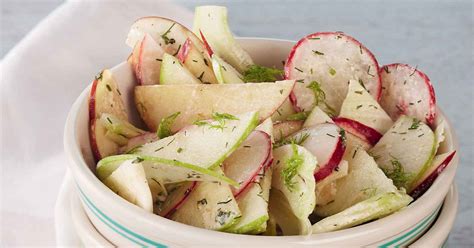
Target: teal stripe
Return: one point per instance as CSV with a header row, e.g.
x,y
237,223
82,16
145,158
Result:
x,y
409,234
423,227
109,225
122,227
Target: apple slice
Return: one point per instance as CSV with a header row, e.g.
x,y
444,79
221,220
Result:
x,y
211,206
360,106
330,59
163,171
253,204
317,116
119,126
407,91
440,162
326,142
197,62
104,97
281,130
283,216
293,168
173,72
170,35
207,143
247,161
200,101
129,182
405,151
146,61
175,200
211,21
284,111
365,179
224,72
359,130
326,189
371,209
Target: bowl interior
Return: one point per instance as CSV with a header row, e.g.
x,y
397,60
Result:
x,y
267,52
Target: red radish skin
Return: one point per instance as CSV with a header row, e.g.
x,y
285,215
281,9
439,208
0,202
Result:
x,y
260,164
92,121
358,129
425,184
404,105
289,64
336,158
183,53
181,201
206,45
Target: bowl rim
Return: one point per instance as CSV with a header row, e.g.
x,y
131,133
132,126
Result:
x,y
428,202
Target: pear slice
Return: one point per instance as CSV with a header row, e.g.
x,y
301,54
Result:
x,y
225,73
173,72
360,106
200,101
282,215
129,182
371,209
211,21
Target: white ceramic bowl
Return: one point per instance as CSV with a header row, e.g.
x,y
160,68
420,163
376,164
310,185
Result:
x,y
125,224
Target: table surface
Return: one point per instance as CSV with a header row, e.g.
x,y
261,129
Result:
x,y
435,35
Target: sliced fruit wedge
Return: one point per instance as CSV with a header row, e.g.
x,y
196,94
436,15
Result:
x,y
317,116
129,182
146,61
359,130
104,97
200,101
170,35
119,126
326,189
407,91
364,180
285,110
173,72
293,168
371,209
175,199
330,59
253,204
245,163
211,21
198,63
281,212
211,206
326,142
207,143
360,106
354,142
405,151
138,141
163,171
281,130
440,162
224,72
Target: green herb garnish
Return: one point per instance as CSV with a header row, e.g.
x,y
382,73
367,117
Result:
x,y
165,35
332,71
164,129
297,140
397,173
415,124
220,118
257,73
318,52
319,94
291,170
301,116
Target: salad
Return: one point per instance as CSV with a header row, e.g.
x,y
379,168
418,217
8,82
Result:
x,y
331,141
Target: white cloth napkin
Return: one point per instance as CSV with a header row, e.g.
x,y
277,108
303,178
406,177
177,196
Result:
x,y
40,79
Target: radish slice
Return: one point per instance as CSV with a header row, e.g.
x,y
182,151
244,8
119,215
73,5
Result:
x,y
244,164
324,141
359,130
206,45
198,63
175,199
407,91
331,59
283,129
440,162
147,68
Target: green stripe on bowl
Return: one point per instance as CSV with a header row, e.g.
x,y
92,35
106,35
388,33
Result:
x,y
420,227
114,223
